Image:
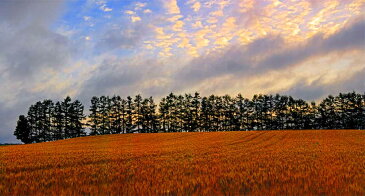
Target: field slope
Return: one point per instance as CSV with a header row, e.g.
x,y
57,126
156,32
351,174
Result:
x,y
256,162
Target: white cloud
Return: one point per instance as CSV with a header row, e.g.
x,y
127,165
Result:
x,y
135,18
86,18
196,6
197,24
105,8
174,18
178,26
147,11
130,12
171,6
140,5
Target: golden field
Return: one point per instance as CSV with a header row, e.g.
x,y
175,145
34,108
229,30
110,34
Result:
x,y
217,163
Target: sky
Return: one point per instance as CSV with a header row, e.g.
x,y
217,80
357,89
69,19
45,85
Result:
x,y
50,49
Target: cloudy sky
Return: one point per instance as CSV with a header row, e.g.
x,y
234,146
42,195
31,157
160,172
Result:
x,y
50,49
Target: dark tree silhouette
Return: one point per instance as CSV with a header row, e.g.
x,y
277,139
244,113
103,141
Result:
x,y
145,116
47,111
47,121
138,113
153,117
58,122
94,117
164,112
22,130
76,118
116,114
130,113
65,108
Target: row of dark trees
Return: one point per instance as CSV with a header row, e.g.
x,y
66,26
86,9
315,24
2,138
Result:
x,y
188,113
110,115
49,121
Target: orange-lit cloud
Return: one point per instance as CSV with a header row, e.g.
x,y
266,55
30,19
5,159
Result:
x,y
171,6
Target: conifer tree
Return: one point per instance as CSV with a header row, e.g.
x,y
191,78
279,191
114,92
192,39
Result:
x,y
66,106
47,111
94,116
195,112
138,113
186,113
32,120
145,116
154,123
129,115
123,113
76,118
58,122
170,118
23,130
163,114
116,114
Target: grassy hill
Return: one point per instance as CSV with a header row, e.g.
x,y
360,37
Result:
x,y
255,162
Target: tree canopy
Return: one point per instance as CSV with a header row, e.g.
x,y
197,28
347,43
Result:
x,y
48,121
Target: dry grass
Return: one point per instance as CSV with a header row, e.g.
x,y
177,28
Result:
x,y
267,162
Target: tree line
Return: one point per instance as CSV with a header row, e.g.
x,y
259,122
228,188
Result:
x,y
47,121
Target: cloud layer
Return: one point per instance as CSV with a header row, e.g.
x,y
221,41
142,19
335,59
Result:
x,y
99,47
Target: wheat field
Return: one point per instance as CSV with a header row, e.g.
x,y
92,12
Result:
x,y
217,163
